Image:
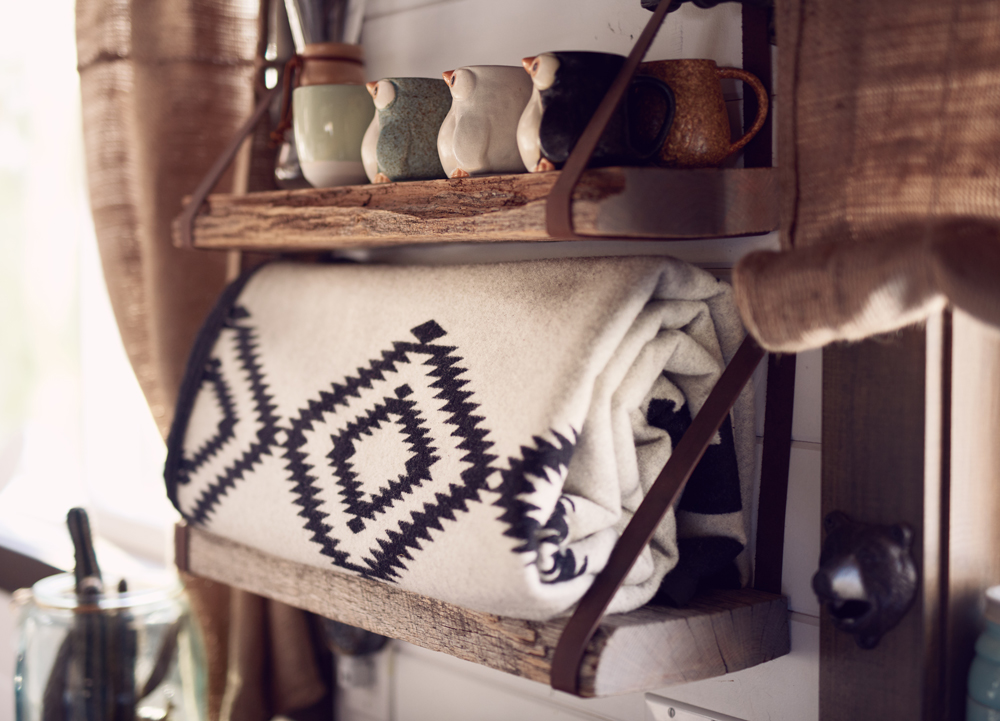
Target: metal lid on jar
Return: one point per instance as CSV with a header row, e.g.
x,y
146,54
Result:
x,y
992,611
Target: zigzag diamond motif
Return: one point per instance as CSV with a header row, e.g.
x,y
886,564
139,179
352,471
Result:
x,y
518,482
394,543
428,460
264,420
417,466
227,422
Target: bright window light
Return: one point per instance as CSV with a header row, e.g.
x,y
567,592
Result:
x,y
74,428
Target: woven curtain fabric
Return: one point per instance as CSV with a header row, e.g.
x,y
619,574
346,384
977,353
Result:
x,y
164,86
889,150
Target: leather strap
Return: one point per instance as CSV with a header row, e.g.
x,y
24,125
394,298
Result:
x,y
185,221
769,554
181,556
559,206
661,496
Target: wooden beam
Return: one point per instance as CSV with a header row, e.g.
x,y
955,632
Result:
x,y
648,648
633,203
881,410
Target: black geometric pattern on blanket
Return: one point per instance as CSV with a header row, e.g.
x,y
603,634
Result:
x,y
518,481
418,465
396,545
713,489
264,419
224,431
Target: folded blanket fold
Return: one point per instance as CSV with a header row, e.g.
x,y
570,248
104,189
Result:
x,y
480,434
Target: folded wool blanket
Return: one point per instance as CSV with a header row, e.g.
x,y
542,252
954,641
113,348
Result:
x,y
479,434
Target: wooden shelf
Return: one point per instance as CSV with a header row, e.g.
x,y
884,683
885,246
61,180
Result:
x,y
632,203
648,648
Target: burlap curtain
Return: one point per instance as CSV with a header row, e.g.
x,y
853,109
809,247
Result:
x,y
165,83
889,148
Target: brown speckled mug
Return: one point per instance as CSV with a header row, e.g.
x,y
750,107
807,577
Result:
x,y
700,136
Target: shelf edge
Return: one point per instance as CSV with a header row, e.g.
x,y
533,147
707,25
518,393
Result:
x,y
647,648
626,203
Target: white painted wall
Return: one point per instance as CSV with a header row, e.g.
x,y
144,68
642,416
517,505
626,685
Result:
x,y
425,37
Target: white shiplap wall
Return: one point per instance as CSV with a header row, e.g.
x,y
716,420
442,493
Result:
x,y
425,37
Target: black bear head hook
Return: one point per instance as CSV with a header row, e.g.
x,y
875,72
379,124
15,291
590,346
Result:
x,y
866,577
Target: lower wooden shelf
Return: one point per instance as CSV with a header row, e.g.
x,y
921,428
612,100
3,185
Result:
x,y
635,203
651,647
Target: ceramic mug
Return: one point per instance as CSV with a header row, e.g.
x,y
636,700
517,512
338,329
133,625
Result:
x,y
401,142
331,110
479,133
701,136
567,88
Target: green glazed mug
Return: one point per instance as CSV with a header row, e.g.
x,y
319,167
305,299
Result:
x,y
330,122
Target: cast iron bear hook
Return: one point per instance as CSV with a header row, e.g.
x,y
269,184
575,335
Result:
x,y
866,577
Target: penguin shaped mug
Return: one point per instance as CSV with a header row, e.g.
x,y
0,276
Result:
x,y
567,88
401,142
479,134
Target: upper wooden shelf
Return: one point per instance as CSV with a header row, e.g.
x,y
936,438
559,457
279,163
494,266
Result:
x,y
628,203
651,647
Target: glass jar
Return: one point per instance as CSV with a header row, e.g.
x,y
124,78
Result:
x,y
135,654
983,703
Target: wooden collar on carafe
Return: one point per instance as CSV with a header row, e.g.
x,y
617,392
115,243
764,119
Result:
x,y
318,64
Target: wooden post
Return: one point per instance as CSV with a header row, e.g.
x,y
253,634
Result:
x,y
910,433
882,407
972,530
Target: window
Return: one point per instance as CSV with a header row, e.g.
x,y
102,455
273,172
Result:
x,y
74,428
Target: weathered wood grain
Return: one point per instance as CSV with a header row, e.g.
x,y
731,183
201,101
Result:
x,y
615,202
876,409
648,648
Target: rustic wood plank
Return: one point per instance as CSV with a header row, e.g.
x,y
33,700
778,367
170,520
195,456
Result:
x,y
616,202
648,648
880,408
973,549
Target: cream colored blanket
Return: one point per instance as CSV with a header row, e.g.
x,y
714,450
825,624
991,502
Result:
x,y
479,434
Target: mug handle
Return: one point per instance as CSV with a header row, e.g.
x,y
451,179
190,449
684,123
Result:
x,y
668,118
762,103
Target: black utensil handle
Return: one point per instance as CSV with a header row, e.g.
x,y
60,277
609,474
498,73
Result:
x,y
88,573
